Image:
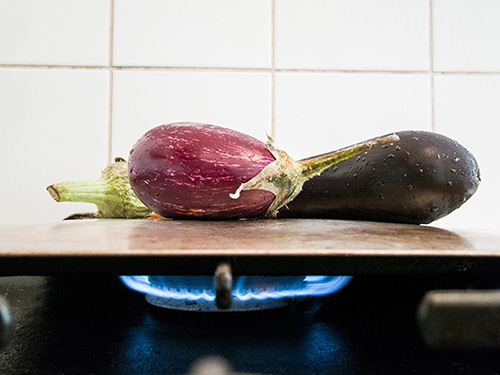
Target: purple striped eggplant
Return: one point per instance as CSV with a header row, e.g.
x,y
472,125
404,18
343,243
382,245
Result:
x,y
193,170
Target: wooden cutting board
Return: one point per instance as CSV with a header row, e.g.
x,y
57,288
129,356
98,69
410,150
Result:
x,y
272,247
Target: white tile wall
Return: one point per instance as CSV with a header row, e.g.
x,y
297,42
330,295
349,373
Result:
x,y
53,129
144,99
81,80
58,32
467,35
321,112
215,33
352,34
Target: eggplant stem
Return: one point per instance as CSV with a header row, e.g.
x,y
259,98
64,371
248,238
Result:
x,y
92,191
112,202
54,193
111,193
314,166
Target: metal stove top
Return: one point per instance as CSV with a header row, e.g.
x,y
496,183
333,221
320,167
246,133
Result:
x,y
82,320
252,247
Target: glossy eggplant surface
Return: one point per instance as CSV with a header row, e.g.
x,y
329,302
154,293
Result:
x,y
420,178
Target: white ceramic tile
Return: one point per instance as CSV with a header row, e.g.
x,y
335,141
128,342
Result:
x,y
467,110
216,33
61,32
143,100
352,34
466,35
53,128
321,112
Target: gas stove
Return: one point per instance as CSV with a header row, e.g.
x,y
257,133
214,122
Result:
x,y
248,297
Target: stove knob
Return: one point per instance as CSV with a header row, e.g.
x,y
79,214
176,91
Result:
x,y
462,319
5,322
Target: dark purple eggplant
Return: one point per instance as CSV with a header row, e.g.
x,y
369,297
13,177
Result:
x,y
421,178
192,170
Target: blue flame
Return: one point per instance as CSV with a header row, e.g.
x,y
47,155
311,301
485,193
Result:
x,y
246,288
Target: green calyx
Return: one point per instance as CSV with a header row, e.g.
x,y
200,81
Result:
x,y
111,193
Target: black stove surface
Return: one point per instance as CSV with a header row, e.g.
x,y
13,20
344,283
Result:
x,y
94,325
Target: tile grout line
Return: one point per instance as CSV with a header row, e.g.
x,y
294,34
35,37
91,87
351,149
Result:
x,y
110,78
240,70
431,66
273,71
110,114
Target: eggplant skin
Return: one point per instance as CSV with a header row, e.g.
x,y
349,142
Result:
x,y
419,179
188,170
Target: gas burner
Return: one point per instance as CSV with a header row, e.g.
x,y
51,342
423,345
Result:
x,y
213,366
222,292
